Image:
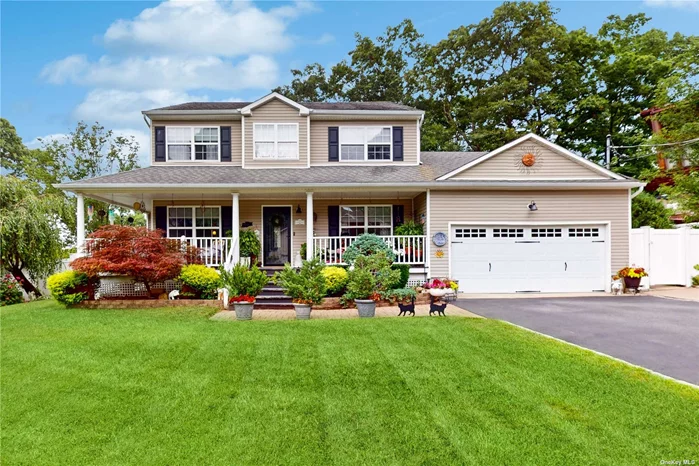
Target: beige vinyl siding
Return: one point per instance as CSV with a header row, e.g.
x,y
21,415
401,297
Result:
x,y
549,164
319,139
236,148
420,207
251,211
472,207
275,111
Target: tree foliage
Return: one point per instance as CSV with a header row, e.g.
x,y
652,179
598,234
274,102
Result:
x,y
647,211
136,252
30,234
519,70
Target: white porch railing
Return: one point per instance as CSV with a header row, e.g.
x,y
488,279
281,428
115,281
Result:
x,y
408,249
212,251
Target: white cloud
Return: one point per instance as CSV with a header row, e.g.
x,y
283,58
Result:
x,y
170,72
203,27
119,106
324,39
39,141
679,4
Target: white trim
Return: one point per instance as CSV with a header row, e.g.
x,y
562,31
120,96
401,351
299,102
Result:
x,y
242,133
419,150
308,141
80,221
366,144
194,228
549,144
366,225
428,220
526,178
276,141
417,113
309,228
630,219
235,226
262,232
248,109
192,156
607,238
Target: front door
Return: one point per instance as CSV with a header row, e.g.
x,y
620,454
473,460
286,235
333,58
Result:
x,y
276,236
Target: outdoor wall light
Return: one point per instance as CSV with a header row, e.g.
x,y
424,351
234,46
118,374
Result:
x,y
298,209
532,206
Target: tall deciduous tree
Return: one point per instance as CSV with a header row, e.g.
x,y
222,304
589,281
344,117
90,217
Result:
x,y
30,231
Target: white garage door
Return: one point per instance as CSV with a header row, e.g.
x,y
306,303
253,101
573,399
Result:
x,y
509,259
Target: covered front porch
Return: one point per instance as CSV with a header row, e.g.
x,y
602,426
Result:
x,y
290,225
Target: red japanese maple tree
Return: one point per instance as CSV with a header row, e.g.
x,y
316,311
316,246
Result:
x,y
138,252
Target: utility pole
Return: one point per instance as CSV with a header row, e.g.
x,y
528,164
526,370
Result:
x,y
608,152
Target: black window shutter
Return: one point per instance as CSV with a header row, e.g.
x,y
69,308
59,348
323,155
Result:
x,y
161,218
398,215
333,220
333,144
397,143
226,219
225,143
160,144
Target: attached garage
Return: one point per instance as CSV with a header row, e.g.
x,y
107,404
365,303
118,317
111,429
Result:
x,y
529,258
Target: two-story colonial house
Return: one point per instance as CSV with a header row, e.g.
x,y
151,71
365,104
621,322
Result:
x,y
528,216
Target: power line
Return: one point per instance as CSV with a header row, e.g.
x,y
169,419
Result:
x,y
680,143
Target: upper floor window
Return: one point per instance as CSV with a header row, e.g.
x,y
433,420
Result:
x,y
360,143
276,141
192,143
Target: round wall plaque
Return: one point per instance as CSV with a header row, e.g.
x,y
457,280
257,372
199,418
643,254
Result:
x,y
439,239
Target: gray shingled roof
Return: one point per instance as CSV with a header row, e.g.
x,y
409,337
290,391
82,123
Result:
x,y
434,165
311,105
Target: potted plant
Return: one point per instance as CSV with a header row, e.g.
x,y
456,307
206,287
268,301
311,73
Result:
x,y
437,287
306,286
250,245
367,279
243,284
632,276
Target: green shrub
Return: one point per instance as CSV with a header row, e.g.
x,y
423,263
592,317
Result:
x,y
303,250
243,281
409,228
399,295
335,279
249,243
206,281
367,245
695,279
369,277
404,274
305,285
10,291
64,286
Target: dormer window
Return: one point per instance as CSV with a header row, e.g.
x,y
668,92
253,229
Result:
x,y
276,141
365,143
186,143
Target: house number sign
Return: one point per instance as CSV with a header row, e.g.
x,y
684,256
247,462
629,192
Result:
x,y
439,239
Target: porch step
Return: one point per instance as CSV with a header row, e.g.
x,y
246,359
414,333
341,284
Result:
x,y
271,298
269,271
272,291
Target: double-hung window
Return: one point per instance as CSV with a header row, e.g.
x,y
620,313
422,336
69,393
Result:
x,y
365,143
185,143
357,220
278,141
194,222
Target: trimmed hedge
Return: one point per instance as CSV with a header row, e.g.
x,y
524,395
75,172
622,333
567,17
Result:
x,y
206,281
69,287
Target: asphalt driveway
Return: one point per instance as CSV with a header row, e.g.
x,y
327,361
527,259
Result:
x,y
656,333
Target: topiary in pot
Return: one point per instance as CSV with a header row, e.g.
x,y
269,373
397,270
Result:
x,y
306,286
243,284
250,245
368,278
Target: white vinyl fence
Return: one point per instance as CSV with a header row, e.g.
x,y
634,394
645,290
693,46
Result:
x,y
668,256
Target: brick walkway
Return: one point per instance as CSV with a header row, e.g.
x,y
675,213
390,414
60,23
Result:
x,y
289,314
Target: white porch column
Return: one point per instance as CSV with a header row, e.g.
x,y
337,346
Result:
x,y
309,226
80,221
235,227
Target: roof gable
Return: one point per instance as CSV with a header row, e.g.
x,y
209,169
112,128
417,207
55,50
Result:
x,y
247,110
555,162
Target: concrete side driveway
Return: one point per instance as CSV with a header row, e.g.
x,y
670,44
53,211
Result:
x,y
656,333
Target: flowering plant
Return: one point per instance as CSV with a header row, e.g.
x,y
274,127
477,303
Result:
x,y
435,284
10,290
632,272
245,298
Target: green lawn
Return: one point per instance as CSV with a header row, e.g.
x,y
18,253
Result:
x,y
172,387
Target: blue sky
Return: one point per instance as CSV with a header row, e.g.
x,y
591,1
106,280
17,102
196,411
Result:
x,y
107,61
